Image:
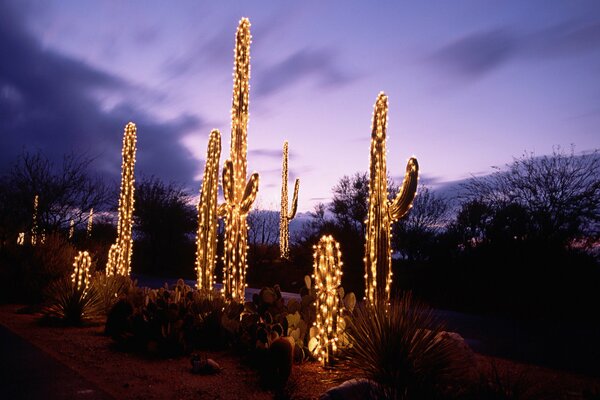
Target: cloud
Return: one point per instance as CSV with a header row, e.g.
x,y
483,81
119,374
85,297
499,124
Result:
x,y
478,53
319,65
49,101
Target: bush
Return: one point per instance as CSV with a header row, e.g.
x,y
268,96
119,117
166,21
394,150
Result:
x,y
398,347
30,270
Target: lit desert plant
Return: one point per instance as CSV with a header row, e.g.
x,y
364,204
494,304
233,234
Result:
x,y
398,348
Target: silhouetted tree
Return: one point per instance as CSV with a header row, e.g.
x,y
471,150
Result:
x,y
263,235
164,226
66,191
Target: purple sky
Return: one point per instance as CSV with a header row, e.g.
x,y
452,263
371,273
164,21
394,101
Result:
x,y
470,84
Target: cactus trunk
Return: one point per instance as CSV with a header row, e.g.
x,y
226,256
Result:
x,y
206,237
120,263
381,212
239,194
285,217
328,278
81,272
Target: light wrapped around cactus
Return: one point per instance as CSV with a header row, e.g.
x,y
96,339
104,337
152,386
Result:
x,y
206,237
90,223
382,212
239,194
81,272
111,263
124,244
34,226
285,217
328,278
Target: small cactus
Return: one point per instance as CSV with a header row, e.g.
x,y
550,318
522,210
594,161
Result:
x,y
383,212
81,272
285,216
206,237
328,278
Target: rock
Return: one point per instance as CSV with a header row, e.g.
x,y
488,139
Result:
x,y
354,389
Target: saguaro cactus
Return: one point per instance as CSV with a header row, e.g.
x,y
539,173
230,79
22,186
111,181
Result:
x,y
122,254
206,237
239,194
34,226
383,212
81,272
90,223
328,278
285,217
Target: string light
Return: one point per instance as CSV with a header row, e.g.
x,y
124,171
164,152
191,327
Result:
x,y
284,216
90,223
239,195
121,261
328,277
381,211
34,226
21,238
71,229
206,237
81,272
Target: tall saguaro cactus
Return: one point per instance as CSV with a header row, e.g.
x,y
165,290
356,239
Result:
x,y
239,194
383,212
121,255
34,226
328,278
285,217
206,237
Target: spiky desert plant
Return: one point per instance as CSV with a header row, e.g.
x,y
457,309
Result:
x,y
81,271
397,345
285,217
239,194
383,212
206,237
122,259
328,278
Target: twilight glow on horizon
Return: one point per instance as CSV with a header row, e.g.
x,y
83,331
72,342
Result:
x,y
470,85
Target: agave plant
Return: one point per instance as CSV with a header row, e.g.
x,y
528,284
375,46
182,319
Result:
x,y
398,348
110,288
72,305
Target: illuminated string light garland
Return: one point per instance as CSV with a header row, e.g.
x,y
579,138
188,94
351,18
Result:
x,y
328,277
90,223
122,254
81,272
284,216
206,237
21,238
239,194
382,212
34,226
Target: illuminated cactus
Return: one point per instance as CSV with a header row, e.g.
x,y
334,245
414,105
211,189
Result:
x,y
383,212
122,259
239,194
81,272
71,228
111,264
206,237
90,222
328,278
285,217
34,226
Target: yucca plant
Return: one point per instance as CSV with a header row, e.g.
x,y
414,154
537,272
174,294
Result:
x,y
397,346
71,305
110,288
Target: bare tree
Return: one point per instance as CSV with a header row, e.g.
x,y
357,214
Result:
x,y
66,191
560,192
263,227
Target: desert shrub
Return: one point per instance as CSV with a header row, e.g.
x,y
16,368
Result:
x,y
167,322
397,346
70,305
32,269
111,288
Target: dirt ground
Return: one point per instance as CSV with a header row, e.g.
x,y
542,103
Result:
x,y
130,376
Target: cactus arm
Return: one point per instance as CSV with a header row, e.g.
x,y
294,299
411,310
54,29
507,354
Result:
x,y
228,182
292,213
402,203
222,210
250,193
